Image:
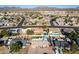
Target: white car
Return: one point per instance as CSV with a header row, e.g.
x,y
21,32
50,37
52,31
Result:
x,y
57,50
9,40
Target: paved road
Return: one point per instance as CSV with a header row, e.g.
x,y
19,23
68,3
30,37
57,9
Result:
x,y
19,26
23,18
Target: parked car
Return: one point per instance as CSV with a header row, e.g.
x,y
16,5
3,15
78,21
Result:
x,y
57,50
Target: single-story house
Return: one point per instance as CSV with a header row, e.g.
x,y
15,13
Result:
x,y
14,30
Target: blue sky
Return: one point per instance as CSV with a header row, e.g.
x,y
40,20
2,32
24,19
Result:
x,y
32,6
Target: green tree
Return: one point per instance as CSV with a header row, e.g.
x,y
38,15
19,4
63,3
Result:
x,y
14,34
44,27
73,35
15,47
4,33
66,18
54,19
40,17
20,43
30,32
74,46
1,43
51,15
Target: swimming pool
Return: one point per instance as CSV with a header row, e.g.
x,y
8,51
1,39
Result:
x,y
55,34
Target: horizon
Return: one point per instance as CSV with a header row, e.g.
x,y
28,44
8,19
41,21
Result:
x,y
33,6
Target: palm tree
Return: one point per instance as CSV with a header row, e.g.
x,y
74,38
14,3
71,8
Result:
x,y
15,47
73,36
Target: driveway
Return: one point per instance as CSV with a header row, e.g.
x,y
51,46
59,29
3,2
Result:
x,y
40,47
39,50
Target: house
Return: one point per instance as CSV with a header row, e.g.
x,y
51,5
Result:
x,y
37,30
14,30
58,42
60,21
4,23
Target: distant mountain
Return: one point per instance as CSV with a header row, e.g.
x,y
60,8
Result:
x,y
40,8
43,8
8,7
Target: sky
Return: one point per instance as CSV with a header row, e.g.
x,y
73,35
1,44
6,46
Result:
x,y
33,6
